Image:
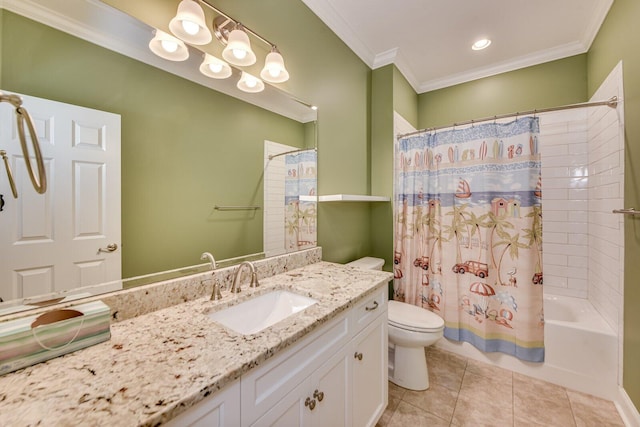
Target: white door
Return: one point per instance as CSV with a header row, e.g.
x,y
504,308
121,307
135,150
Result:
x,y
50,242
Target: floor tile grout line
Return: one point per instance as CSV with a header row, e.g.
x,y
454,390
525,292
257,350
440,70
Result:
x,y
424,410
573,414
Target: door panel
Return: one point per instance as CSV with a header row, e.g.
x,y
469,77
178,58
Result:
x,y
61,231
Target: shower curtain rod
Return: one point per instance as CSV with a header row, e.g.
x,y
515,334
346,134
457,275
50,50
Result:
x,y
271,156
611,102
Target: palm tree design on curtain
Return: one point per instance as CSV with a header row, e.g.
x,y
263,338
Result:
x,y
511,244
457,227
534,235
497,224
420,225
476,223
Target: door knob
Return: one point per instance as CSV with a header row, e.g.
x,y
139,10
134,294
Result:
x,y
358,356
318,395
111,247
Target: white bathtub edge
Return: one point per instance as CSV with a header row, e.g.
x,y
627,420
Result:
x,y
571,380
627,410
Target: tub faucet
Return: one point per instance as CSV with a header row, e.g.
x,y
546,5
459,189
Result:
x,y
208,256
236,280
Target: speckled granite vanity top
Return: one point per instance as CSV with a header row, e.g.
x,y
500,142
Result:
x,y
158,364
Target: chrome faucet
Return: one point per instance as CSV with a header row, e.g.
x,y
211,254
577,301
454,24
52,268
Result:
x,y
236,280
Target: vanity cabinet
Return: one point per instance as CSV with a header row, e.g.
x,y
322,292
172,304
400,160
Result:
x,y
336,376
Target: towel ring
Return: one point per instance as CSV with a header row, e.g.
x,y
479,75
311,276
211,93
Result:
x,y
39,183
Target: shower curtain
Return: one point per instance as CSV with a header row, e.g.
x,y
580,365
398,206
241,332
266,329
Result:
x,y
468,233
300,212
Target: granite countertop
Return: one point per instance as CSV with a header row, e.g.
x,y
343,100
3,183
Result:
x,y
158,364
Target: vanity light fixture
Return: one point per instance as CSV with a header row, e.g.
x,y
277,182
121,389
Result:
x,y
214,67
238,50
189,23
481,44
249,83
168,47
274,71
190,26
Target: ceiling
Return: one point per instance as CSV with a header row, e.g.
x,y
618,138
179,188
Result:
x,y
430,40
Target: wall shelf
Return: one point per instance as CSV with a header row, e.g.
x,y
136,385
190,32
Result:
x,y
346,198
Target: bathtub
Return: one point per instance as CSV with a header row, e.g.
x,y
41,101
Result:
x,y
581,349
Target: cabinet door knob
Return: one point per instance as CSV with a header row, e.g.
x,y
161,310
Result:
x,y
311,403
318,395
375,305
358,356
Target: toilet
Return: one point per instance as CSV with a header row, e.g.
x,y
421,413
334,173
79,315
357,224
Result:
x,y
411,329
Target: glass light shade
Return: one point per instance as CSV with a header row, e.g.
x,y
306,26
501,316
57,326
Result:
x,y
214,67
249,83
189,24
168,47
238,50
274,71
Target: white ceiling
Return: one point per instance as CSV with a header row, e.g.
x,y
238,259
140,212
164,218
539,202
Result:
x,y
430,40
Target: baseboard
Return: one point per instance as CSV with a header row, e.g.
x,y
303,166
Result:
x,y
627,410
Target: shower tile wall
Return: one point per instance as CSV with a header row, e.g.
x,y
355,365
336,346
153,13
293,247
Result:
x,y
583,181
564,151
606,192
273,234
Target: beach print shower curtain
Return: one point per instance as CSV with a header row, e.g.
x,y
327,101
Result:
x,y
468,233
300,211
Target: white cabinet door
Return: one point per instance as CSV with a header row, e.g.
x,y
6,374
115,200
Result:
x,y
331,392
221,410
369,373
290,411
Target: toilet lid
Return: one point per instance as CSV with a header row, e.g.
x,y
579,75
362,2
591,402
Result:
x,y
411,317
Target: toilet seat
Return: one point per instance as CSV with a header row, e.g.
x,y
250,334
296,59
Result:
x,y
412,318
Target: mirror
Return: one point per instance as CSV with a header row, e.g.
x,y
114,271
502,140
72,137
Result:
x,y
188,143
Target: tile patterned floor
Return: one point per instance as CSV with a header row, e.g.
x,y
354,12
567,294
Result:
x,y
464,392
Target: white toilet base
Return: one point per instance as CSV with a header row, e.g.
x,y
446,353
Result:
x,y
410,368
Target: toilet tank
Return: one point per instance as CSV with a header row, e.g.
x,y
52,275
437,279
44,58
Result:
x,y
368,263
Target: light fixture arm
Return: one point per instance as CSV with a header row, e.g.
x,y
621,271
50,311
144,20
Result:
x,y
235,23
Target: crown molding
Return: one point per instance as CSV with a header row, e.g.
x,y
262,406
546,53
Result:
x,y
385,58
560,52
597,18
327,14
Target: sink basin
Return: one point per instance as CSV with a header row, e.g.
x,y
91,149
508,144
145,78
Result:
x,y
258,313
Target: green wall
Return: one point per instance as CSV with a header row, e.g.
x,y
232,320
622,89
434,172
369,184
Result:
x,y
618,40
390,92
382,95
184,148
405,99
551,84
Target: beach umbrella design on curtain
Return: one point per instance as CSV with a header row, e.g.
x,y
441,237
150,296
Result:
x,y
484,291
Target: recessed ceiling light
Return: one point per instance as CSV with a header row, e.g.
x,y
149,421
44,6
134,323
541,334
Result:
x,y
481,44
